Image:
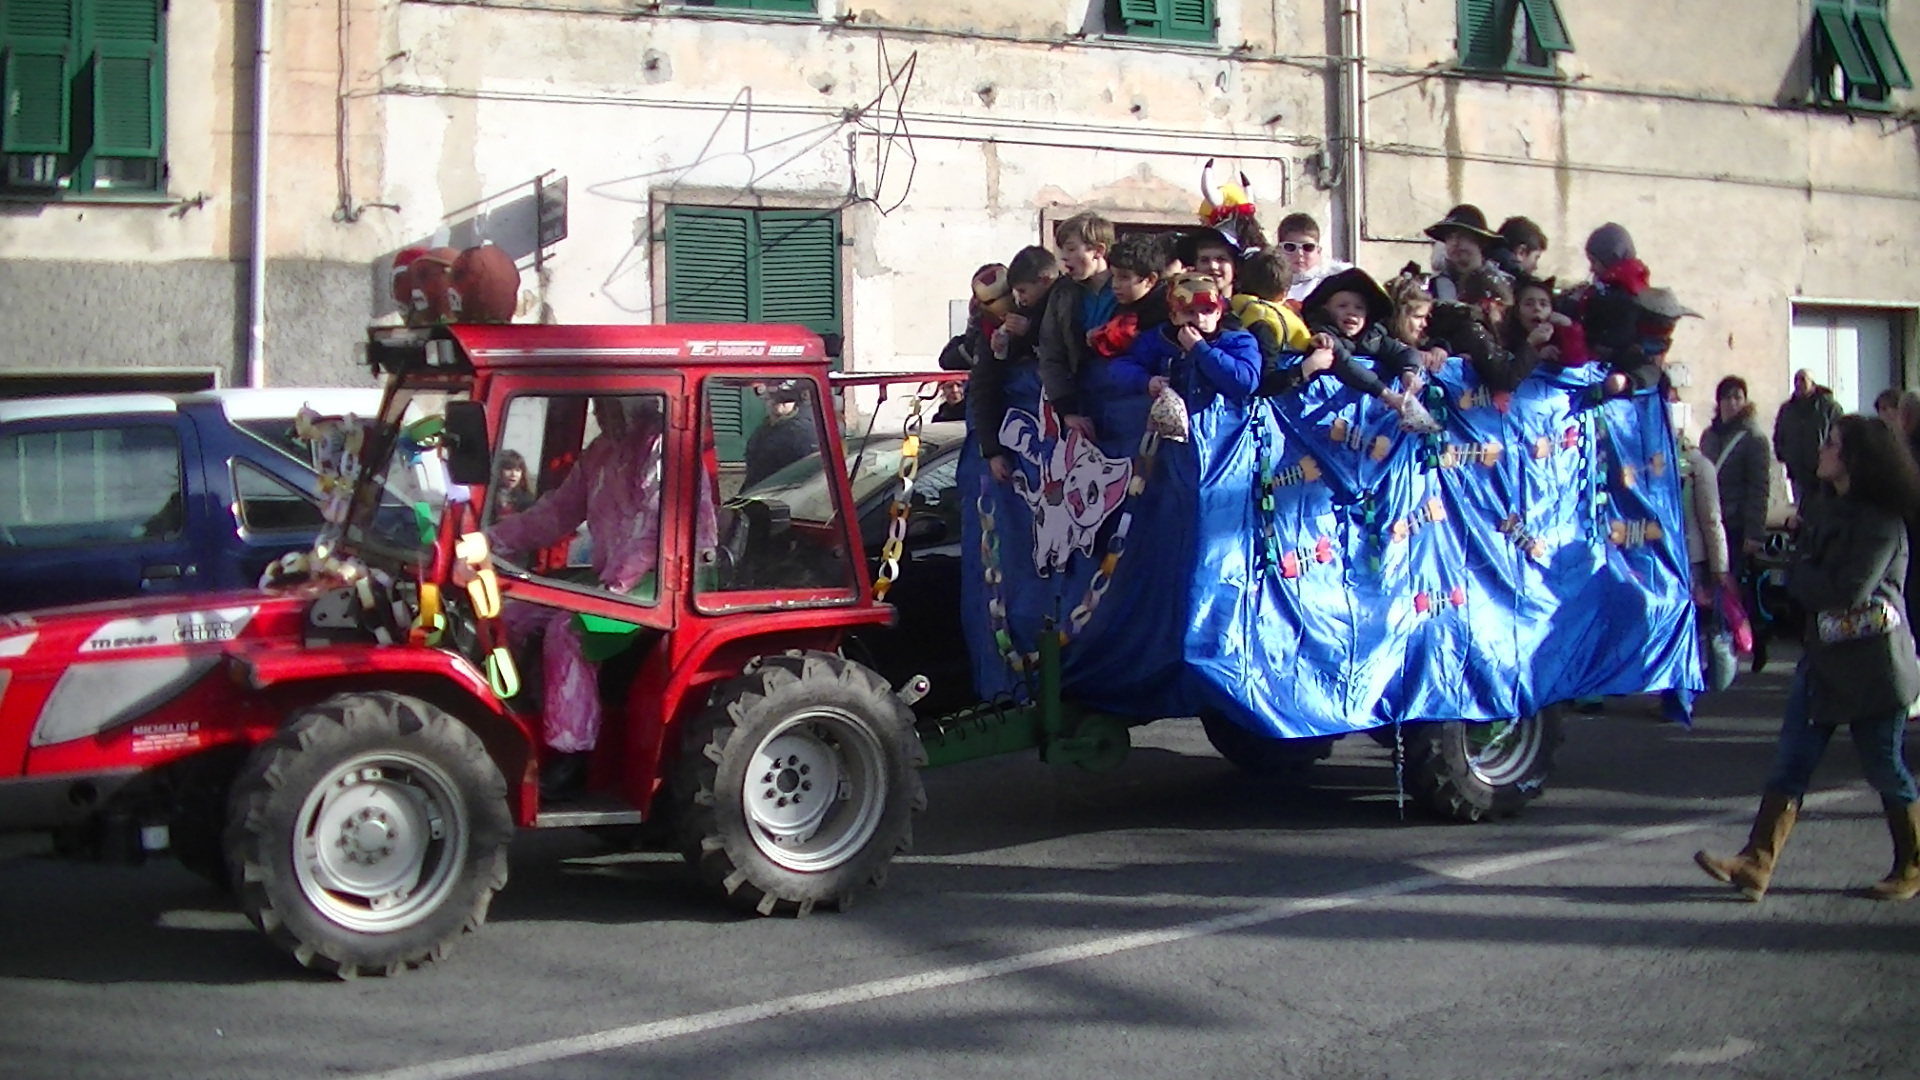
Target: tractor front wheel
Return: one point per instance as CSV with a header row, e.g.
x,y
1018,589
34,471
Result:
x,y
797,784
1265,756
368,834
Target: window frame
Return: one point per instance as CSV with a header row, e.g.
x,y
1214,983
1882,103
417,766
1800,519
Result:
x,y
84,143
542,587
1482,24
1852,43
95,427
243,528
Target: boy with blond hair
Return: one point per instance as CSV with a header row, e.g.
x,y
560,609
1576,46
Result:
x,y
1082,301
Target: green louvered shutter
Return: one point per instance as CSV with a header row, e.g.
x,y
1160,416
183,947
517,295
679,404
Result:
x,y
804,7
38,47
1141,16
1486,39
1871,21
800,269
1549,29
710,272
1189,20
1836,29
129,86
709,264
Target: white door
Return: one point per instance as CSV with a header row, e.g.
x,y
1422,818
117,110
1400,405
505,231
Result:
x,y
1849,350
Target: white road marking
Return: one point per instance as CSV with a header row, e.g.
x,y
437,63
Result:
x,y
1734,1047
657,1031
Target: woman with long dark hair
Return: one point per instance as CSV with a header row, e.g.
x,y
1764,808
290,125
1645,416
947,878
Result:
x,y
511,491
1859,667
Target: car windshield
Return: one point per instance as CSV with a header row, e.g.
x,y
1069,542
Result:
x,y
875,461
396,506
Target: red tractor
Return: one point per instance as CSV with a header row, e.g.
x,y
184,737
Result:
x,y
353,749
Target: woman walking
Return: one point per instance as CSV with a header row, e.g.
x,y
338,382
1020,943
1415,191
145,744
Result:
x,y
1859,667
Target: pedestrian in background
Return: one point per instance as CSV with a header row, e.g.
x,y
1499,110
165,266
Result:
x,y
1859,667
1800,427
1738,450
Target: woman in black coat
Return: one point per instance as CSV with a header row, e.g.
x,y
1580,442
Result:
x,y
1859,667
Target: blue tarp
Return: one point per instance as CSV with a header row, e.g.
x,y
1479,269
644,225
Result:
x,y
1306,568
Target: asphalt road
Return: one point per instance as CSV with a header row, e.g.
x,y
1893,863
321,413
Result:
x,y
1170,918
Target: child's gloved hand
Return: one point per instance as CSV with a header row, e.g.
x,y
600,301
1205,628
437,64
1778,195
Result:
x,y
1188,338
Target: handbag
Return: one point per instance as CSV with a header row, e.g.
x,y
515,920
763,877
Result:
x,y
1875,618
1733,615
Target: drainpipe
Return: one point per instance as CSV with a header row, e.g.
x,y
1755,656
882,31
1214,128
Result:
x,y
1353,123
257,255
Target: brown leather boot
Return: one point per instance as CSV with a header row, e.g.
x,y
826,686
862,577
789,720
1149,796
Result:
x,y
1903,881
1752,869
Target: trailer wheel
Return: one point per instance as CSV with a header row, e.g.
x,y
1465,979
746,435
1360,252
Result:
x,y
797,784
368,834
1472,771
1264,756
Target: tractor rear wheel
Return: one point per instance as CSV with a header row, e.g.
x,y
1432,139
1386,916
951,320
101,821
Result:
x,y
368,834
1263,755
797,784
1472,771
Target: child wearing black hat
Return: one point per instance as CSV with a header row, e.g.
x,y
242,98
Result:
x,y
1349,314
1466,236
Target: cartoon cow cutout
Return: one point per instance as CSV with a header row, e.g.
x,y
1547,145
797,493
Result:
x,y
1079,487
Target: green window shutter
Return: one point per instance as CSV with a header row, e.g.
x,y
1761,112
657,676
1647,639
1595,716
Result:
x,y
799,254
129,88
1872,25
38,45
1836,30
1549,29
709,266
1190,20
1486,39
725,411
804,7
1142,15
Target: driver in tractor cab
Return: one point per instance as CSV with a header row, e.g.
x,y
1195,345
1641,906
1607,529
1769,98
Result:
x,y
615,490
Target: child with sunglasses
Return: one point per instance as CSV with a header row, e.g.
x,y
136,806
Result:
x,y
1300,243
1191,351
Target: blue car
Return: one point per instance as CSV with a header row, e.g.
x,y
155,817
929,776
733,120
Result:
x,y
121,495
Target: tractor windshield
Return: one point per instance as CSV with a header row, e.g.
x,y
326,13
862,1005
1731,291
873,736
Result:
x,y
403,486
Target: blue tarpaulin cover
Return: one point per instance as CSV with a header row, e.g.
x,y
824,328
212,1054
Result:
x,y
1306,568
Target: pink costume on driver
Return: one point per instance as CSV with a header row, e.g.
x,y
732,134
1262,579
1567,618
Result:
x,y
615,489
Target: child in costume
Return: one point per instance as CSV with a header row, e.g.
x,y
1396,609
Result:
x,y
1609,315
991,302
1260,307
1031,277
1349,314
1191,352
1139,298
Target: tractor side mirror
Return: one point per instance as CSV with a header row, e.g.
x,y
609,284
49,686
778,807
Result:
x,y
463,438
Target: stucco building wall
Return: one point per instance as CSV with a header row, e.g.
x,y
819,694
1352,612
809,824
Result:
x,y
973,124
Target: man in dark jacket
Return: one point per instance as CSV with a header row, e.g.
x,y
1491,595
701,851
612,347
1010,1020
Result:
x,y
789,434
1800,427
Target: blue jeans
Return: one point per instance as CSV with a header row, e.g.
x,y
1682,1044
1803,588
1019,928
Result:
x,y
1803,743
